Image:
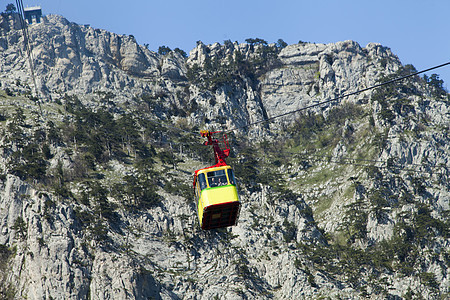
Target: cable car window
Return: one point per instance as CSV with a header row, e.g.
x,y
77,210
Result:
x,y
217,178
231,177
202,181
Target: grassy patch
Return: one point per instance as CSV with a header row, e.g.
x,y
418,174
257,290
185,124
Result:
x,y
321,176
349,192
322,204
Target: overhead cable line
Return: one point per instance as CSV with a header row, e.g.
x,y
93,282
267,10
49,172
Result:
x,y
337,98
363,160
26,38
328,101
319,104
366,162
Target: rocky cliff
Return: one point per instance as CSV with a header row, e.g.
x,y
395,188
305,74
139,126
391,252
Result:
x,y
346,200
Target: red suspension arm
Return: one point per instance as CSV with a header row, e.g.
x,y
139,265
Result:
x,y
219,153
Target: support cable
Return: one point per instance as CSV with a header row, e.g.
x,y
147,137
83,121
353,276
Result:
x,y
337,98
412,167
26,38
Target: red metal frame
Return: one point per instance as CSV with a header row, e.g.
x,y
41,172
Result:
x,y
221,149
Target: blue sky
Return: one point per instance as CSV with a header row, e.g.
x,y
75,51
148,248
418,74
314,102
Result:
x,y
417,31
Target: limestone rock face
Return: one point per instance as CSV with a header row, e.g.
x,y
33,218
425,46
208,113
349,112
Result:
x,y
48,251
385,170
80,59
316,72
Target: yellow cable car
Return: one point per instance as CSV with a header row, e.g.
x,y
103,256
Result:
x,y
215,188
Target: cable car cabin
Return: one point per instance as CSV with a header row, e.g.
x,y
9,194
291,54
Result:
x,y
216,196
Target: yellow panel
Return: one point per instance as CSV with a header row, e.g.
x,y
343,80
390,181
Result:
x,y
219,195
200,210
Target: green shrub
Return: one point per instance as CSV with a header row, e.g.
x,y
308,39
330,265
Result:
x,y
436,85
163,50
429,279
289,231
180,189
20,227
